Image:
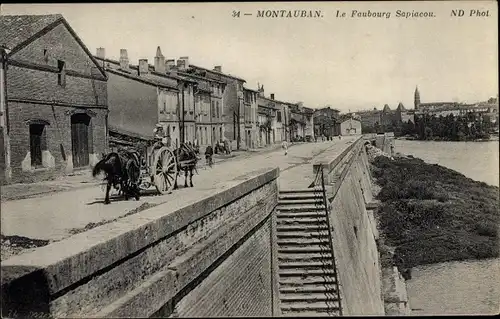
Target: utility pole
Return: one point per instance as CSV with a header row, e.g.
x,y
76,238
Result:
x,y
183,135
4,115
238,124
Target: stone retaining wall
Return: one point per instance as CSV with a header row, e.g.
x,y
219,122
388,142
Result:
x,y
159,262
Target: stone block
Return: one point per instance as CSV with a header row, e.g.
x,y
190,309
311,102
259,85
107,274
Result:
x,y
114,268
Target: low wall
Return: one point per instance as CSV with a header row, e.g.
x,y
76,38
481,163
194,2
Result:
x,y
328,161
395,293
354,239
212,257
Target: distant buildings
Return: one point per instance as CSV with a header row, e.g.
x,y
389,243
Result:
x,y
487,109
301,122
350,125
54,99
326,122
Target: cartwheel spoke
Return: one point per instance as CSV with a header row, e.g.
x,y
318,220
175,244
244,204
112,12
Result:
x,y
170,167
162,182
168,182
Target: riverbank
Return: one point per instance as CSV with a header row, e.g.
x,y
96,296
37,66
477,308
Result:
x,y
432,214
440,139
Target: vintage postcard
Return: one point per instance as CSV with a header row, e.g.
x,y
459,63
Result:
x,y
249,159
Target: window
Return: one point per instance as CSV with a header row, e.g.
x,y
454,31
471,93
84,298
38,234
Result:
x,y
38,143
218,114
61,75
279,116
213,109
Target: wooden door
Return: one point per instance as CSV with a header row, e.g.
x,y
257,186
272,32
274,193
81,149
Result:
x,y
80,139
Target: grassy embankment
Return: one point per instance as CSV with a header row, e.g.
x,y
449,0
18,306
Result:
x,y
433,214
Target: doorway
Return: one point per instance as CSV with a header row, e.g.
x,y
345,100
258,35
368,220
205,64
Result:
x,y
80,139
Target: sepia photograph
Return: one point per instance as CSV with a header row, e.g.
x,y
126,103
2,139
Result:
x,y
249,159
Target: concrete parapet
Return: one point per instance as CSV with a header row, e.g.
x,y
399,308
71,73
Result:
x,y
147,263
329,160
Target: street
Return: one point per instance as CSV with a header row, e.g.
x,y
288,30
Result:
x,y
58,215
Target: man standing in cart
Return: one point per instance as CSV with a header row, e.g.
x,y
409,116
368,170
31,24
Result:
x,y
160,139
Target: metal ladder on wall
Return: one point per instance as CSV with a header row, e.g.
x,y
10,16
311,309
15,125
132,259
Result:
x,y
307,274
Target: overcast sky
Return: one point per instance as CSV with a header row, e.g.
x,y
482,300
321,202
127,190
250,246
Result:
x,y
349,63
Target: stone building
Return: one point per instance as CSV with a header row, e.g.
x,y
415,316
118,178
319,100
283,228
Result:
x,y
267,118
143,95
402,115
370,119
301,122
280,119
54,99
326,122
233,114
251,136
489,107
209,102
350,126
431,106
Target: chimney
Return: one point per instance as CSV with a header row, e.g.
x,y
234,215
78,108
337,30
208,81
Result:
x,y
169,64
143,66
183,63
218,68
159,61
101,53
123,59
272,96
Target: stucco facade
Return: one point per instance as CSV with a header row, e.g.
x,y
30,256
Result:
x,y
350,126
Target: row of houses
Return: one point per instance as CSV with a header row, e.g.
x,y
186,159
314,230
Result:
x,y
62,106
195,104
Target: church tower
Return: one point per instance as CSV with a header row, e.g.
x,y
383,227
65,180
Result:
x,y
417,98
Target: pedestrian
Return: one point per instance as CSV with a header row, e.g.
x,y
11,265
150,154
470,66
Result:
x,y
284,145
208,155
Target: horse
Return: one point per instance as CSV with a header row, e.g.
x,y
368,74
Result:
x,y
122,171
186,157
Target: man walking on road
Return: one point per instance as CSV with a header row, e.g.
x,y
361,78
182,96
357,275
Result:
x,y
284,145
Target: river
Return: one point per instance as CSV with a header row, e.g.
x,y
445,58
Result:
x,y
466,287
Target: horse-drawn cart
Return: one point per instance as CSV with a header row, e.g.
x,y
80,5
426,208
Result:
x,y
160,168
131,169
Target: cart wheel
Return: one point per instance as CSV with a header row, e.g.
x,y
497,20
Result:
x,y
164,170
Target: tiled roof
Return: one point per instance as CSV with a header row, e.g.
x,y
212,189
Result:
x,y
194,76
146,80
217,72
16,29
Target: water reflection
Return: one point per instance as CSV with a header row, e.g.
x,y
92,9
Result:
x,y
470,287
477,160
